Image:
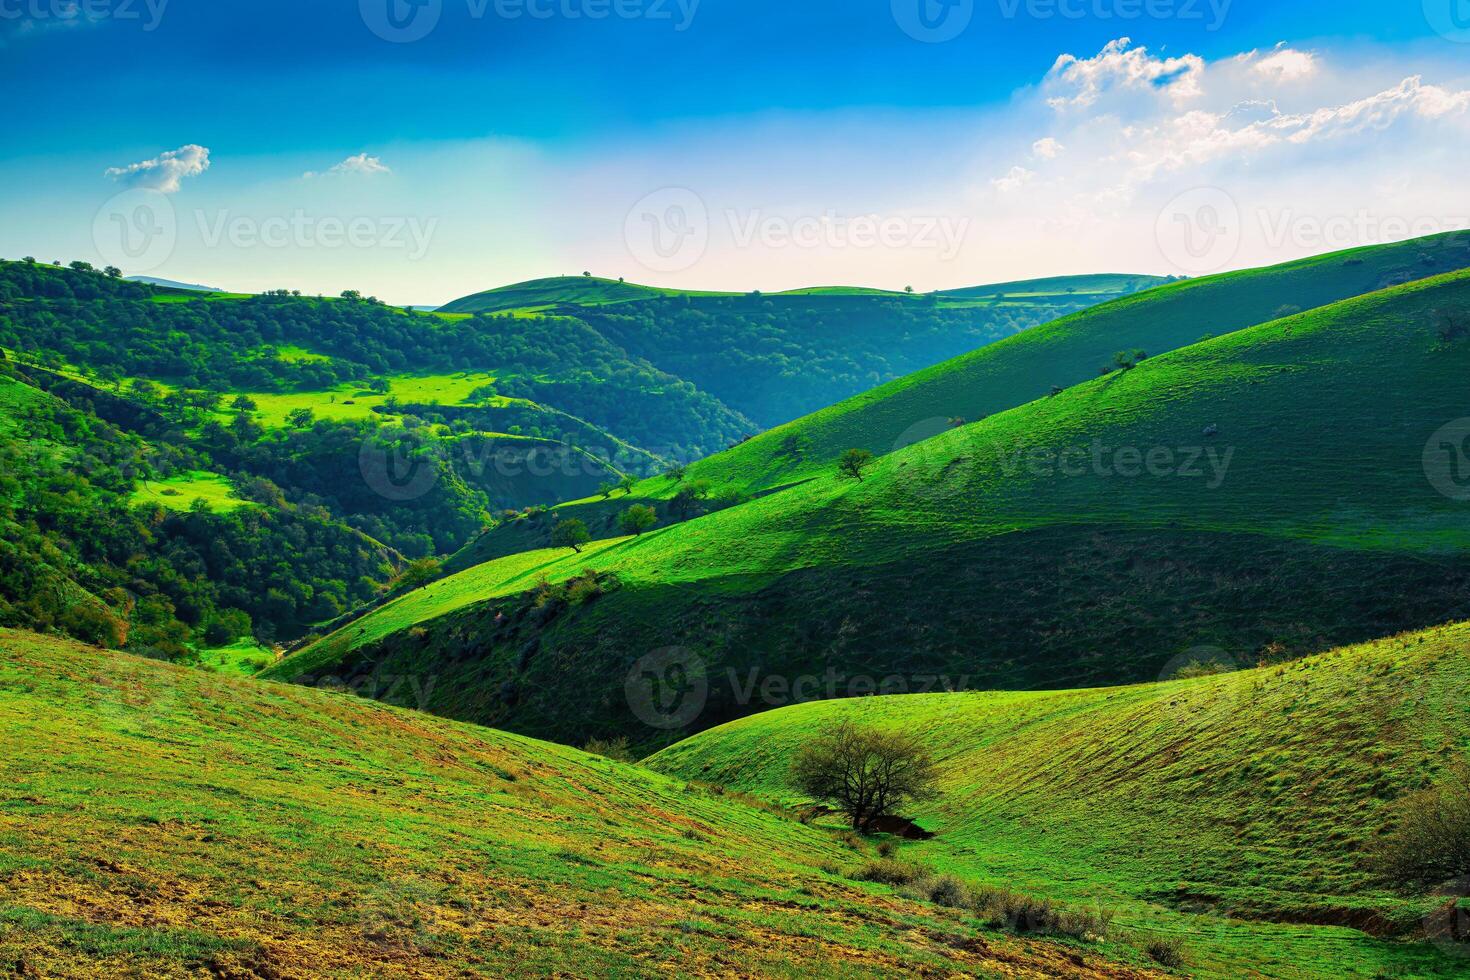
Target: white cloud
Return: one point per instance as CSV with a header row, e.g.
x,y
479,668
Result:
x,y
1287,65
165,172
1017,178
1120,67
1047,148
361,165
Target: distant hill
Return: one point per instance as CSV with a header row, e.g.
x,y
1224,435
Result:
x,y
170,284
249,821
1264,491
775,357
1213,808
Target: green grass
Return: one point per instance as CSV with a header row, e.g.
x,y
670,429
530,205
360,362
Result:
x,y
1209,809
244,658
1023,368
959,555
179,493
353,402
159,821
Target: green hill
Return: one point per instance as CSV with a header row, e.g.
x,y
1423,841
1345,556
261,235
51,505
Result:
x,y
161,822
1264,492
1234,811
1105,284
543,294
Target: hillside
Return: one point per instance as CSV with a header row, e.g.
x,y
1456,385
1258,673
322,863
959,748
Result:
x,y
1264,492
161,822
775,357
1235,810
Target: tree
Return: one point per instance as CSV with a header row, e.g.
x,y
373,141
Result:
x,y
687,501
300,418
606,489
866,773
417,575
908,289
1429,843
571,533
854,462
113,272
626,484
244,403
637,519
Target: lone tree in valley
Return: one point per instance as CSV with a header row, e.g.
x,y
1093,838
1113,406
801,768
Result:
x,y
854,463
865,773
637,519
572,534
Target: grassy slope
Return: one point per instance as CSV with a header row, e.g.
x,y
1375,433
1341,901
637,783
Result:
x,y
1324,530
162,822
1020,369
1100,284
1196,804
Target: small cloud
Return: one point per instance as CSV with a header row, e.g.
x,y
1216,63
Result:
x,y
1047,148
1287,65
165,172
361,165
1120,67
1018,177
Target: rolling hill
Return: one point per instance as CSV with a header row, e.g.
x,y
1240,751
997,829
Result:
x,y
1011,373
1265,492
162,822
1236,810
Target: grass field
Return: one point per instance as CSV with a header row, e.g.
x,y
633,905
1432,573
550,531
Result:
x,y
163,822
1306,520
1234,811
352,402
244,658
179,493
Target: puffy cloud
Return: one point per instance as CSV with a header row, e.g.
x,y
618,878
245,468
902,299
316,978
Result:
x,y
1287,64
165,172
361,165
1081,82
1047,148
1017,178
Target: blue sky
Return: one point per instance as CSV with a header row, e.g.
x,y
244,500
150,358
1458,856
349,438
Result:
x,y
769,144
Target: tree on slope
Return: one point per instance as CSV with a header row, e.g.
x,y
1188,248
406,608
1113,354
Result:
x,y
854,463
572,534
866,773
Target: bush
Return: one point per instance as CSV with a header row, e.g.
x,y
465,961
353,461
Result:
x,y
1429,842
615,749
1166,952
890,872
947,891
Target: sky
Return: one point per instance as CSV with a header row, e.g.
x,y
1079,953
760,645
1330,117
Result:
x,y
421,150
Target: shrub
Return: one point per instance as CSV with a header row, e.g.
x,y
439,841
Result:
x,y
947,891
1429,842
890,872
1166,952
615,749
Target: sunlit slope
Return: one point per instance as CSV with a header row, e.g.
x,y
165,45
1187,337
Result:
x,y
1012,372
1249,796
1276,490
556,291
161,822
